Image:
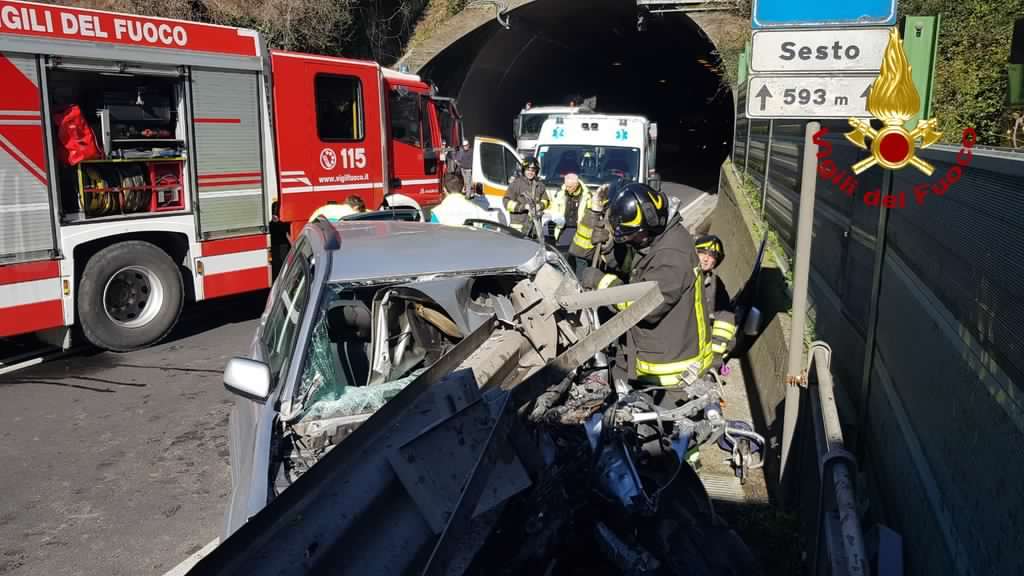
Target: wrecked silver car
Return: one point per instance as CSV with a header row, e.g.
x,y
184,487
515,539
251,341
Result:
x,y
512,452
359,310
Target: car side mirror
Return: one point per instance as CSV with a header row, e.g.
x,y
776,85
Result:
x,y
248,378
752,323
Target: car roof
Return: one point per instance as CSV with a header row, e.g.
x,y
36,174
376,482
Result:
x,y
376,250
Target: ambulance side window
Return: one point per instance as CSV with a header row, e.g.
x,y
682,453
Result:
x,y
339,108
405,117
492,162
511,164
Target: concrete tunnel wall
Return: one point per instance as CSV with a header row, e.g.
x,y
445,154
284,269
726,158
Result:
x,y
557,50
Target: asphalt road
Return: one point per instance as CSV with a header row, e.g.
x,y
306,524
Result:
x,y
118,463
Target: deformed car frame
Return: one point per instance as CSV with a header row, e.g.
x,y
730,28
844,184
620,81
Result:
x,y
417,488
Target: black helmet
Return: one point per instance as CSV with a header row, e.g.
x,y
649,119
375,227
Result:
x,y
635,207
531,162
712,245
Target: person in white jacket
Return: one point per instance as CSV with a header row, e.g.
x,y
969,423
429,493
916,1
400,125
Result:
x,y
455,209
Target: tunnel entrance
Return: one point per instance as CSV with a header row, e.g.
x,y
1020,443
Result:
x,y
562,50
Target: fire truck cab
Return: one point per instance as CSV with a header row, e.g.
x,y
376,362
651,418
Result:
x,y
143,161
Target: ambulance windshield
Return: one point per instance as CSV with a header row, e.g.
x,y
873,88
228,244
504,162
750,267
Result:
x,y
594,164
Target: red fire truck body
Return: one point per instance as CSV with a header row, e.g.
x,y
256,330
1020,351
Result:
x,y
143,160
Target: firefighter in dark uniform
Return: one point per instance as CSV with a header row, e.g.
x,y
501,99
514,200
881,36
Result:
x,y
671,346
717,303
524,195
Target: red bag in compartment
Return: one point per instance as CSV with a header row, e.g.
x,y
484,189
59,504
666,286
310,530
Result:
x,y
76,137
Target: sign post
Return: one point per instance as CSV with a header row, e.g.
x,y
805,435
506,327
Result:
x,y
812,59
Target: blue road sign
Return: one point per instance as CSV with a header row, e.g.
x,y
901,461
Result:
x,y
801,13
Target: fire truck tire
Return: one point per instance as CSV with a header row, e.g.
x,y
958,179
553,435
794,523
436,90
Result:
x,y
130,296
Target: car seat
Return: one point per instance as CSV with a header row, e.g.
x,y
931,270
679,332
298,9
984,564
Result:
x,y
349,328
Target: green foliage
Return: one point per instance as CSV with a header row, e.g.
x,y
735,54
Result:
x,y
970,76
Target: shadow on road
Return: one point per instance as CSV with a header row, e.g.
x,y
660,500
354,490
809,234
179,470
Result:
x,y
71,384
201,317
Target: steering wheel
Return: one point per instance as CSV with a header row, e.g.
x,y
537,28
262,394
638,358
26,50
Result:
x,y
492,225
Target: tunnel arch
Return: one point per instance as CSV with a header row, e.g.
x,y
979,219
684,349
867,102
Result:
x,y
557,50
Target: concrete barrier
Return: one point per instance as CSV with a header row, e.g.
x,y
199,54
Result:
x,y
764,363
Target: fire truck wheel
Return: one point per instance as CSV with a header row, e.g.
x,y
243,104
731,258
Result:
x,y
129,296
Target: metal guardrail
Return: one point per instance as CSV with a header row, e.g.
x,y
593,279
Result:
x,y
838,544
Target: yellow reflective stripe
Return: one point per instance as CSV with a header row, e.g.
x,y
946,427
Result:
x,y
584,231
512,205
623,305
724,334
582,242
706,356
725,326
718,347
607,281
667,368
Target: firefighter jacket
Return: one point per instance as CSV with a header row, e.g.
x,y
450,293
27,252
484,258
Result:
x,y
673,341
520,195
721,318
572,206
592,217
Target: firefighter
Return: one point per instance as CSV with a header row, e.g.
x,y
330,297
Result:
x,y
455,209
671,346
717,304
571,202
526,197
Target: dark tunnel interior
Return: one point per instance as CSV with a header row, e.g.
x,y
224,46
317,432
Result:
x,y
559,50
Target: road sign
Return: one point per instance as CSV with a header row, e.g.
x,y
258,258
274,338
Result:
x,y
808,96
817,13
819,50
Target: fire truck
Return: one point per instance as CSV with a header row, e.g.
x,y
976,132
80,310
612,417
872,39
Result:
x,y
144,160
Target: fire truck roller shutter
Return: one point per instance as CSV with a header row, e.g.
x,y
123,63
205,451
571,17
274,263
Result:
x,y
26,221
228,157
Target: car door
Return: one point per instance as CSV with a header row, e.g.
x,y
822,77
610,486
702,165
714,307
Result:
x,y
251,422
495,165
415,146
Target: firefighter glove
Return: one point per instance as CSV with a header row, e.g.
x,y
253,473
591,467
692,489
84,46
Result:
x,y
599,236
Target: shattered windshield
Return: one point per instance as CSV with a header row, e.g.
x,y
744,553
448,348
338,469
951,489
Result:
x,y
370,342
594,164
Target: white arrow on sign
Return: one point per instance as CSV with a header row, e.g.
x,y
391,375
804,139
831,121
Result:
x,y
808,96
819,50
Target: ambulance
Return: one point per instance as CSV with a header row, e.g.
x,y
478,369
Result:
x,y
143,162
599,148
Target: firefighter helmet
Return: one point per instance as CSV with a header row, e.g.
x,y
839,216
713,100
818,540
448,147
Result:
x,y
712,245
635,207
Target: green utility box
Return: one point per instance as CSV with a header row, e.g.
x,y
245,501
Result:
x,y
1015,87
920,42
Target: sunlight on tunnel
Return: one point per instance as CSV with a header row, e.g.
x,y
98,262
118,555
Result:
x,y
561,50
